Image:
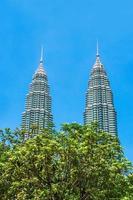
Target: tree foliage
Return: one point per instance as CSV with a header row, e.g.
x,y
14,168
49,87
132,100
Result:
x,y
78,163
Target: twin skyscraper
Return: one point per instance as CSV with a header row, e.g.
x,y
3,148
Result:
x,y
99,100
38,101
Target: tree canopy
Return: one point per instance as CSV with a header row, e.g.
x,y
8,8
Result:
x,y
76,163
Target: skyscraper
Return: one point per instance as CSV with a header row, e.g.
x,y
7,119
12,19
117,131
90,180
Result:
x,y
38,101
99,99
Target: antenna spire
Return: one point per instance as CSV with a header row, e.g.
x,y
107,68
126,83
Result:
x,y
97,63
97,53
41,59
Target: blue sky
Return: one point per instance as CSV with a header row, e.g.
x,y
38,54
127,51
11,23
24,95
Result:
x,y
68,29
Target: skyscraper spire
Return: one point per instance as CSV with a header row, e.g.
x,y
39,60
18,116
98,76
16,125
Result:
x,y
41,59
97,53
40,68
97,62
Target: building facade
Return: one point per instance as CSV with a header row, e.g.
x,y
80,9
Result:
x,y
99,99
38,101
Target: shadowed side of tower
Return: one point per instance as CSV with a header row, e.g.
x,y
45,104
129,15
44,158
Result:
x,y
99,99
38,101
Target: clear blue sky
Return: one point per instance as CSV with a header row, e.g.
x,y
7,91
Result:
x,y
68,29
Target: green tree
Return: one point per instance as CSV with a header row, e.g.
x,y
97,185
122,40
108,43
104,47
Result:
x,y
78,163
